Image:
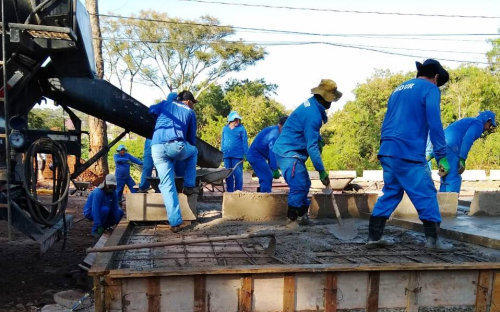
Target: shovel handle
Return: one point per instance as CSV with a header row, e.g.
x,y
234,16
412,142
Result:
x,y
337,212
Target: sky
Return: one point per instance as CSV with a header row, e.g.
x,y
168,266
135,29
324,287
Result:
x,y
296,68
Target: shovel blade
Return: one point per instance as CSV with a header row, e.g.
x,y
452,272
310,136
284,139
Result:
x,y
347,231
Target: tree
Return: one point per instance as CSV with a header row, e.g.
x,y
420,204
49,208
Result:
x,y
494,55
177,54
98,131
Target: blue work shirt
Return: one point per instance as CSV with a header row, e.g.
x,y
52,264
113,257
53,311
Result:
x,y
300,134
97,199
263,143
123,164
461,134
175,121
413,112
234,142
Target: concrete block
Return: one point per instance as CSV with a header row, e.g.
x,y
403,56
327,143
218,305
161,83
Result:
x,y
448,203
150,207
248,206
485,203
495,175
373,175
474,175
350,205
342,174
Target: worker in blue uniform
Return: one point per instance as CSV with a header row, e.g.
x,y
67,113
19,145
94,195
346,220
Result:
x,y
300,139
147,167
234,146
413,113
102,206
261,157
460,135
174,139
122,171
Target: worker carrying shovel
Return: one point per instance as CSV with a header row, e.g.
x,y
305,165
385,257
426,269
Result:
x,y
413,112
299,139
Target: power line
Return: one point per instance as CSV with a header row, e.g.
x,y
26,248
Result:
x,y
340,11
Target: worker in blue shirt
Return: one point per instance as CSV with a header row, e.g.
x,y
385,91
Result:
x,y
299,139
460,136
413,113
261,157
234,146
174,139
122,171
147,167
102,206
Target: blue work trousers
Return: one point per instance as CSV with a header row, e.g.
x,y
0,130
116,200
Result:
x,y
295,173
263,172
108,217
164,157
147,168
413,177
234,182
120,185
452,182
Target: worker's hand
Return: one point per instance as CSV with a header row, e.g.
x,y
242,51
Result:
x,y
276,174
321,144
323,176
100,230
444,167
429,157
461,166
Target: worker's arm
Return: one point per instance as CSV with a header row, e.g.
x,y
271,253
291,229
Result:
x,y
134,160
473,133
436,132
222,142
311,134
191,131
272,157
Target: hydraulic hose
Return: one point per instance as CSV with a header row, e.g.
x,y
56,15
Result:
x,y
47,213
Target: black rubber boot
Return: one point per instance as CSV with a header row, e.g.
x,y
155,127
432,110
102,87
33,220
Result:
x,y
293,212
431,231
375,232
190,190
303,218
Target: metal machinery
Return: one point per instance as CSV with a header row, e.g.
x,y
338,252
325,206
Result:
x,y
47,53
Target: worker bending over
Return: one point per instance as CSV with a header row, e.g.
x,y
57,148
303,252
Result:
x,y
122,171
174,139
413,112
261,157
234,146
299,139
102,206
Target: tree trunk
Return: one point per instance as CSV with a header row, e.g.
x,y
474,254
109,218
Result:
x,y
97,127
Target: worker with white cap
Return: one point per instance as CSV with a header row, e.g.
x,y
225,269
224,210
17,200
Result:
x,y
234,146
102,206
299,140
122,171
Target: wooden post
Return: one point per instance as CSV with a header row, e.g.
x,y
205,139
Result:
x,y
331,292
412,291
99,302
289,292
153,294
483,287
246,292
112,294
373,287
199,293
495,294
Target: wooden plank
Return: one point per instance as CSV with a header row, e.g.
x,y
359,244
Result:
x,y
153,294
98,299
289,292
495,294
412,292
331,292
372,296
112,294
245,295
483,287
199,293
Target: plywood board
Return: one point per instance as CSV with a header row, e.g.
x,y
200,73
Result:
x,y
310,295
177,293
350,205
267,292
249,206
445,289
222,293
150,207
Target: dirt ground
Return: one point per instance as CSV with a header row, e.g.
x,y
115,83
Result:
x,y
29,281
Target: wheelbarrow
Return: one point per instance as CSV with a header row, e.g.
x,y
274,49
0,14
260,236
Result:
x,y
213,178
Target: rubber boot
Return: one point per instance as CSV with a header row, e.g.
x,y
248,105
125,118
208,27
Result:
x,y
292,214
303,218
375,232
431,231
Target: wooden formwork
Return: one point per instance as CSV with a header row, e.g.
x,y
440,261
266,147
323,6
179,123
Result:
x,y
274,286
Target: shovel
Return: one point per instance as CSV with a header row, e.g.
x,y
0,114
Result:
x,y
344,230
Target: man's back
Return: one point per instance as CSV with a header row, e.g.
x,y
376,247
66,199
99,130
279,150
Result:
x,y
175,121
264,140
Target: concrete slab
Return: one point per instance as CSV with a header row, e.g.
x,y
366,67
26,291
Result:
x,y
341,174
474,175
247,206
373,175
495,175
150,207
485,203
476,230
350,205
448,203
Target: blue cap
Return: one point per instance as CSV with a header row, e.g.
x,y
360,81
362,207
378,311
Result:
x,y
232,116
487,115
121,147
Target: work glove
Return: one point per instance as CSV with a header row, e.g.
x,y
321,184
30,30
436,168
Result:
x,y
276,174
461,166
444,167
321,144
323,176
100,230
